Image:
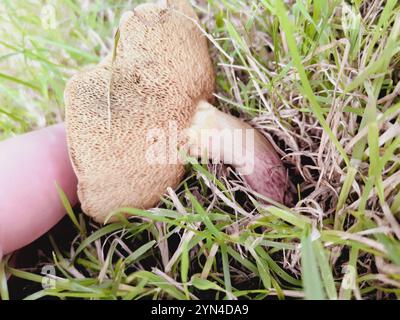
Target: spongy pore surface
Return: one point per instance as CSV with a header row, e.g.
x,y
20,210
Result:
x,y
160,71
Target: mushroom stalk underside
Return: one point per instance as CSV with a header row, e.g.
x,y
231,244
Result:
x,y
220,137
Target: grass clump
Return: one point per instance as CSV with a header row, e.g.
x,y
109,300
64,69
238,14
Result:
x,y
320,78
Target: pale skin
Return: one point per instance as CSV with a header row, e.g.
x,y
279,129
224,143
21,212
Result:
x,y
30,165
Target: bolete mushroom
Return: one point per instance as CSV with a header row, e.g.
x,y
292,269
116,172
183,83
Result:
x,y
159,73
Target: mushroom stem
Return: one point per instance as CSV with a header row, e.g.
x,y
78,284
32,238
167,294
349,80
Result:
x,y
220,137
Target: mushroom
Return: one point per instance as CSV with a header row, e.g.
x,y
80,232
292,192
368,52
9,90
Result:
x,y
159,74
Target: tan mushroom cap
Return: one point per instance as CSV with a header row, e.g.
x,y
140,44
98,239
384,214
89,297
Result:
x,y
161,70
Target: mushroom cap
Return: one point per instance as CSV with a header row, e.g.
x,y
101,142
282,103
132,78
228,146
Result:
x,y
161,70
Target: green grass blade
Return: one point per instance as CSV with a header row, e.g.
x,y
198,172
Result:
x,y
312,284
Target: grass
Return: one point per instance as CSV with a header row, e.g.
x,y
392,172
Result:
x,y
320,78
